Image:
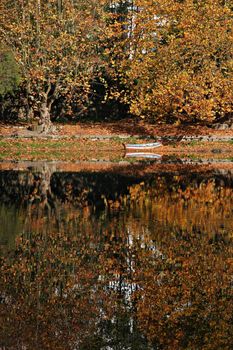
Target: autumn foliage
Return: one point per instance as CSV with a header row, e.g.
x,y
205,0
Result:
x,y
180,60
55,44
164,60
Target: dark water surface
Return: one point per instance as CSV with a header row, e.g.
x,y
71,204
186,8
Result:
x,y
131,258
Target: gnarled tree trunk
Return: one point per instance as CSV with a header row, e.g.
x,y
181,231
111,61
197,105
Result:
x,y
46,126
45,120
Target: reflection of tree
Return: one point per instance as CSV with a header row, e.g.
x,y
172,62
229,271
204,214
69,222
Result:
x,y
180,203
199,202
58,290
95,285
49,293
85,278
185,300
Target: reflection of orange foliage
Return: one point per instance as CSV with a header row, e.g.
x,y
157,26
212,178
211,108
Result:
x,y
185,300
177,267
48,287
205,207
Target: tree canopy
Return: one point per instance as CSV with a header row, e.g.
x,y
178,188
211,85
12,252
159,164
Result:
x,y
165,60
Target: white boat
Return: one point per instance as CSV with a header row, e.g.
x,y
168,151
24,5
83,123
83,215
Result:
x,y
142,145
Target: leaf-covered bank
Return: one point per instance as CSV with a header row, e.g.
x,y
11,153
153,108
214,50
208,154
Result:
x,y
109,149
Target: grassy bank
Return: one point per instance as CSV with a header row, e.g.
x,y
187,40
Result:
x,y
70,150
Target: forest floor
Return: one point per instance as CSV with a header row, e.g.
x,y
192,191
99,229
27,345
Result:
x,y
126,127
141,128
85,141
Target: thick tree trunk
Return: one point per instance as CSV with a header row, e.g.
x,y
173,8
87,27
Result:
x,y
45,120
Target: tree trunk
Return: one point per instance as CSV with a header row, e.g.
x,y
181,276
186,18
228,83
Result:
x,y
45,121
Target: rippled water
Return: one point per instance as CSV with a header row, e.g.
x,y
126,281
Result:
x,y
134,257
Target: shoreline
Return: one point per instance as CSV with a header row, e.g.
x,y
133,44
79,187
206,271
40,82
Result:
x,y
88,148
86,141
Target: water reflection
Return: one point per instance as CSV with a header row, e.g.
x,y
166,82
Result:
x,y
143,155
103,260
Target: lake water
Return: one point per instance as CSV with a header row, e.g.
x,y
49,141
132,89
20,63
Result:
x,y
124,256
